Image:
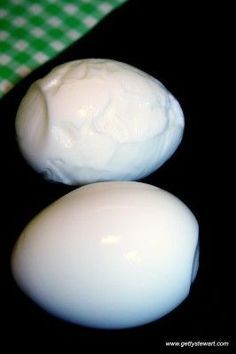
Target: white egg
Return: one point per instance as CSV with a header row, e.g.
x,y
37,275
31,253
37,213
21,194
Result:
x,y
109,255
96,120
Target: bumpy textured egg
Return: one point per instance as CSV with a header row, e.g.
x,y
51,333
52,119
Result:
x,y
96,120
109,255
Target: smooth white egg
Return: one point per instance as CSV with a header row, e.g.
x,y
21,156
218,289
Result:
x,y
96,120
109,255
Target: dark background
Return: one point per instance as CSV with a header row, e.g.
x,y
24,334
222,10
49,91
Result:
x,y
180,45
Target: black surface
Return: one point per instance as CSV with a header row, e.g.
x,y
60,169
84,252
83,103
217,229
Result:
x,y
178,45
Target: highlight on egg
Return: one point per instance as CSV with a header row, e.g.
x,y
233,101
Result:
x,y
109,255
96,120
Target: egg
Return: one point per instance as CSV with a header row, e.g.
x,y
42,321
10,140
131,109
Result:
x,y
109,255
94,120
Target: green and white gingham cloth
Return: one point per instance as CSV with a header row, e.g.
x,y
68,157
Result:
x,y
32,32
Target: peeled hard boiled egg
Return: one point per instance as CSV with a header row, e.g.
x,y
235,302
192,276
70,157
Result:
x,y
109,255
96,120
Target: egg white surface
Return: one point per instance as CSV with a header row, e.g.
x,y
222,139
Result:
x,y
95,120
109,255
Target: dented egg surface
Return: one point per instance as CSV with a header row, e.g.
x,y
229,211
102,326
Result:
x,y
94,120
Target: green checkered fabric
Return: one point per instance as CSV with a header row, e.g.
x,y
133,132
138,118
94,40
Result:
x,y
31,32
